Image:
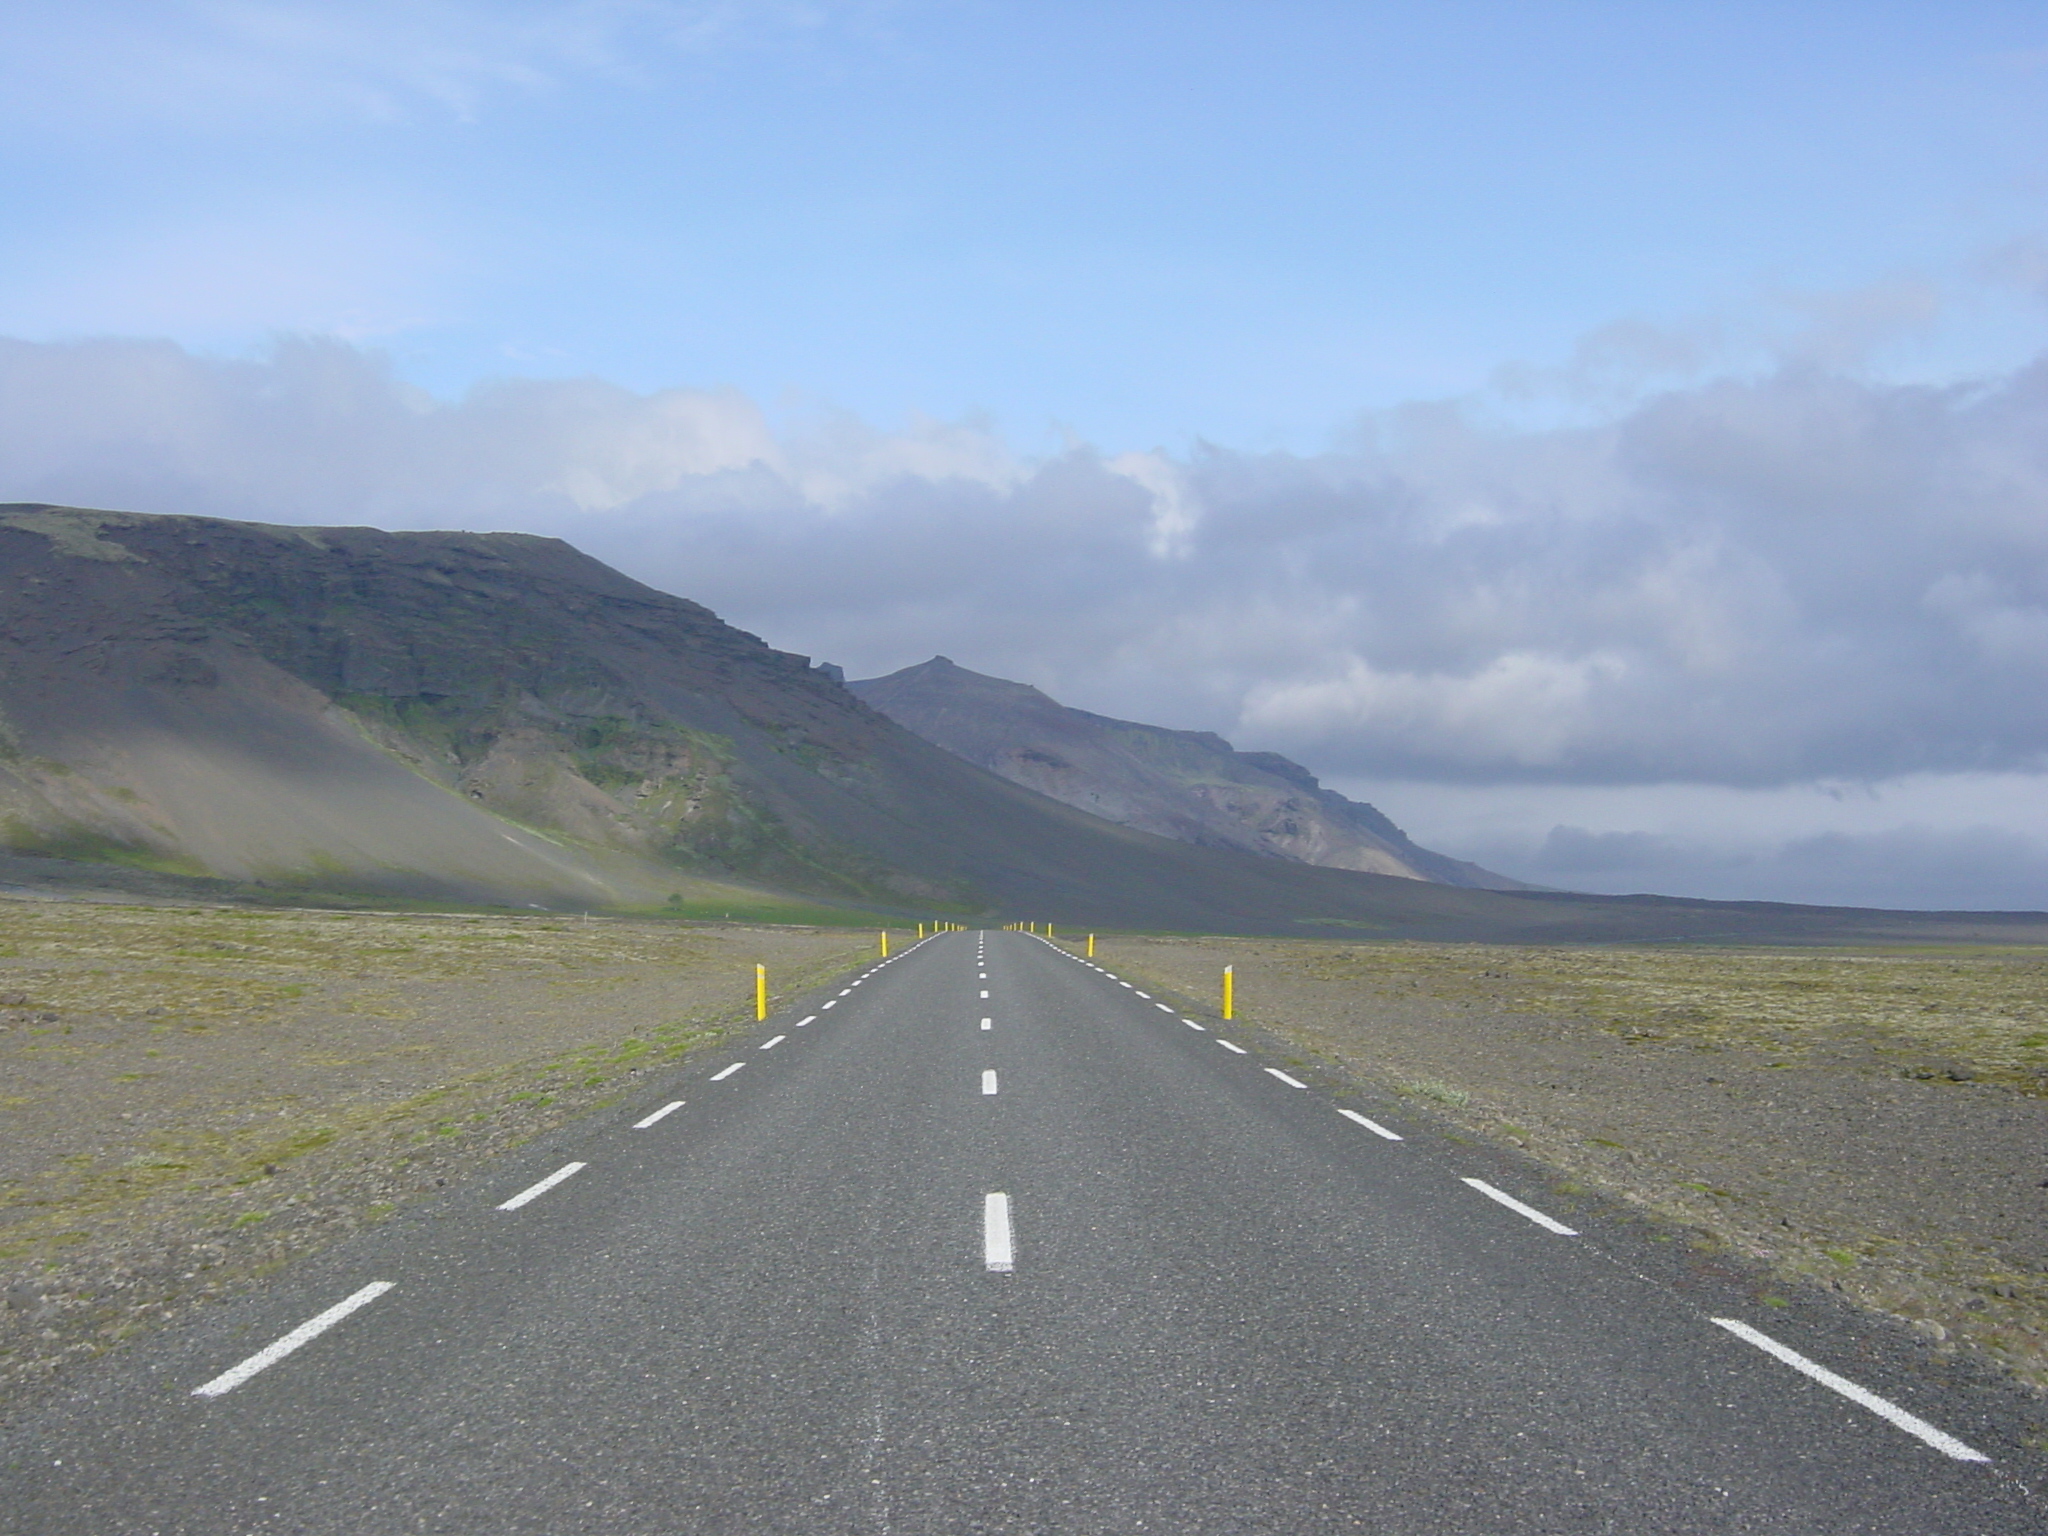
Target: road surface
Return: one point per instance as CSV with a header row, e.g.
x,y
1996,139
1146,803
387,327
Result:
x,y
985,1239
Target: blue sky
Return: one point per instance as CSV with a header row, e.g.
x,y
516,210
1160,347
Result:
x,y
1136,224
1610,436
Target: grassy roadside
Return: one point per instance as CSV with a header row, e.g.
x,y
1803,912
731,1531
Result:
x,y
194,1097
1873,1121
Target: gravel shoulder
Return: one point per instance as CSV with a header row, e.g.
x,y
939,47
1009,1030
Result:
x,y
192,1097
1874,1122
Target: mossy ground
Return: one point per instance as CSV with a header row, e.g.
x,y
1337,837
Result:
x,y
1872,1121
190,1097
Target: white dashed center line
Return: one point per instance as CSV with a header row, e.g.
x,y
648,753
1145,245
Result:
x,y
305,1333
988,1081
984,994
535,1191
721,1076
847,993
1231,1045
1371,1125
770,1045
1912,1424
658,1116
987,1023
811,1019
998,1249
1290,1082
1549,1224
830,1002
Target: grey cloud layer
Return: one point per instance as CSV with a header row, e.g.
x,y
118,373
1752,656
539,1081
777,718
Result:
x,y
1746,583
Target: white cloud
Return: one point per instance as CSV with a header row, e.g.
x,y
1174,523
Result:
x,y
1175,512
1521,708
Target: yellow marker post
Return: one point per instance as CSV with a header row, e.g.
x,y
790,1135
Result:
x,y
920,930
1229,987
1048,930
1091,946
760,991
885,943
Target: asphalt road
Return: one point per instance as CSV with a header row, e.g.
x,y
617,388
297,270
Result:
x,y
1001,1244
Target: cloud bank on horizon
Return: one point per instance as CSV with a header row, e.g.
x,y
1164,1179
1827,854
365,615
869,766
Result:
x,y
1796,589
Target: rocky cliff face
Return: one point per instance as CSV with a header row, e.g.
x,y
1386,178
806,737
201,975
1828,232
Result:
x,y
1188,785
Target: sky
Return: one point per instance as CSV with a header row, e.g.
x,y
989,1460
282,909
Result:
x,y
1608,437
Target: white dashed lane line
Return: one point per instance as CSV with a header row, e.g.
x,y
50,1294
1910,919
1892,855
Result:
x,y
811,1019
1231,1045
988,1081
998,1246
305,1333
987,1023
658,1116
984,994
721,1075
1163,1007
535,1191
1191,1024
771,1044
1289,1081
830,1002
1548,1223
1371,1125
1912,1424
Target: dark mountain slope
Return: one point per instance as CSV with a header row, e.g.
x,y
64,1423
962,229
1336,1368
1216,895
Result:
x,y
1188,785
498,717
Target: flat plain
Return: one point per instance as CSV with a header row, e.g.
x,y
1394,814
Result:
x,y
189,1097
1872,1121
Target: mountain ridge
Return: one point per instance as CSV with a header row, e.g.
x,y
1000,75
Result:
x,y
1189,785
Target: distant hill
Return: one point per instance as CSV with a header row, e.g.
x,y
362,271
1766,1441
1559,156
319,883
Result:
x,y
1188,785
196,705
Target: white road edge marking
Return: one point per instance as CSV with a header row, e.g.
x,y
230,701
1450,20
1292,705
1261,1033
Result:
x,y
986,1023
988,1081
770,1045
998,1249
1289,1081
800,1023
660,1114
721,1075
306,1332
1912,1424
1371,1125
1230,1045
830,1002
1548,1223
1191,1024
535,1191
1163,1007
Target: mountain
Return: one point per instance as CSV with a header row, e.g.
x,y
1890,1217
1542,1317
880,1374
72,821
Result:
x,y
1188,785
234,708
